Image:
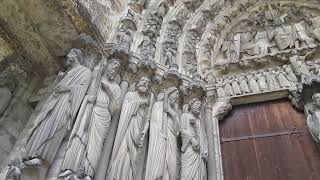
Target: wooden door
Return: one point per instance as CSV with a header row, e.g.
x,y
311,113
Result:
x,y
268,141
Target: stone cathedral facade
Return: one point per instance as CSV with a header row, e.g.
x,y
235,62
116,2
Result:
x,y
159,90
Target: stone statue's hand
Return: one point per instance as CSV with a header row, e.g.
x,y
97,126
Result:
x,y
195,145
92,99
139,140
204,156
61,89
61,73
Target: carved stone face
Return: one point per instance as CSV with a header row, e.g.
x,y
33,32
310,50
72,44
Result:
x,y
174,97
316,99
143,85
72,57
196,107
112,70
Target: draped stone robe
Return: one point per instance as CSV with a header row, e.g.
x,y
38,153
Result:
x,y
126,155
193,166
85,145
162,161
52,122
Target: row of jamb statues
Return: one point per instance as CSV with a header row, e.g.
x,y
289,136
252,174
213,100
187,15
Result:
x,y
154,139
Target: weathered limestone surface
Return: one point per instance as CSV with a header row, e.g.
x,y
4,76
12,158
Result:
x,y
142,94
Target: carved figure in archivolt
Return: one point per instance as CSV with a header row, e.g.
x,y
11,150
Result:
x,y
59,110
220,88
92,125
132,127
125,38
147,48
162,161
193,149
170,50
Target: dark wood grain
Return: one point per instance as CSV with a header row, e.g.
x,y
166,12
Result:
x,y
285,157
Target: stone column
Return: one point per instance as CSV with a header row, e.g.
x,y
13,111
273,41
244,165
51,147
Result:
x,y
214,114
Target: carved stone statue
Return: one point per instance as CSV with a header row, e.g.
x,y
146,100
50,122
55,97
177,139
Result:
x,y
132,127
271,77
94,118
283,81
227,86
59,110
220,88
299,66
261,81
230,50
235,85
290,74
7,86
313,116
170,50
253,85
193,150
147,48
284,37
162,161
312,26
125,38
248,46
244,84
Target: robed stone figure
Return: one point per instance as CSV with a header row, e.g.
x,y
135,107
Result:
x,y
163,151
58,112
133,124
92,124
193,150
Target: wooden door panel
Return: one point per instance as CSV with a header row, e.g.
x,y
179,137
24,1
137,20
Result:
x,y
268,141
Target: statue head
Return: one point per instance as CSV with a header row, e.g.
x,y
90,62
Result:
x,y
316,99
80,173
143,85
74,56
195,106
112,69
173,95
